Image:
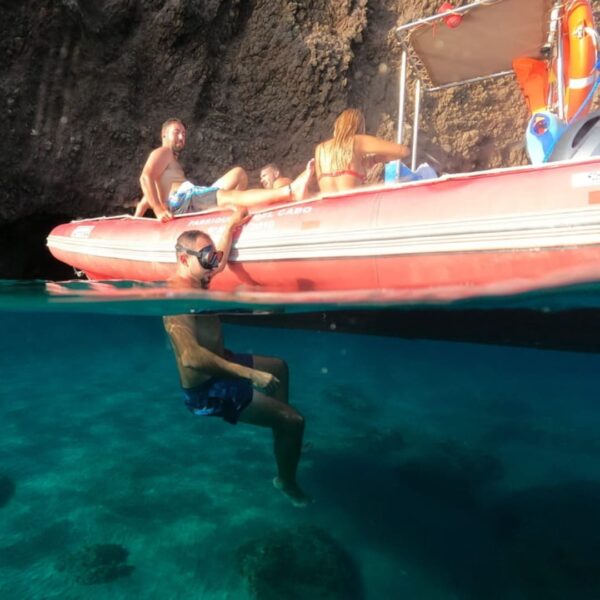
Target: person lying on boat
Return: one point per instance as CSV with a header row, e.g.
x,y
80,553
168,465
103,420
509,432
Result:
x,y
244,388
341,163
271,177
169,193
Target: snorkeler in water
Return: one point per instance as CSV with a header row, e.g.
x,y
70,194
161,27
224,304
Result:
x,y
247,388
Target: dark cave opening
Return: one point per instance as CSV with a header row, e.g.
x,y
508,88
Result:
x,y
23,251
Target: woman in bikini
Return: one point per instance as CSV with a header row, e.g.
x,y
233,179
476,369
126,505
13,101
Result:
x,y
341,163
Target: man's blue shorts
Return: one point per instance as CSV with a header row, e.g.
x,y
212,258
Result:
x,y
218,397
193,198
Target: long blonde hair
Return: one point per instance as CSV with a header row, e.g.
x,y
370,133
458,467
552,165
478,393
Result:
x,y
350,123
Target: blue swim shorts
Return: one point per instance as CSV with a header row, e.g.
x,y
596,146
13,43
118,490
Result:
x,y
191,198
218,397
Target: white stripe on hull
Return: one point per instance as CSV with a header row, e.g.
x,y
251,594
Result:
x,y
562,228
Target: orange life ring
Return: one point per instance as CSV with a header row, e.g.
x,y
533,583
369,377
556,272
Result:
x,y
579,56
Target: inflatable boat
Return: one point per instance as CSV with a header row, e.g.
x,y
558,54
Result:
x,y
539,225
507,230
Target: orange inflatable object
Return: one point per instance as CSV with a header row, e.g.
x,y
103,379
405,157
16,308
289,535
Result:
x,y
579,57
579,60
532,76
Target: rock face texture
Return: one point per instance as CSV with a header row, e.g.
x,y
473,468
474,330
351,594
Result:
x,y
85,85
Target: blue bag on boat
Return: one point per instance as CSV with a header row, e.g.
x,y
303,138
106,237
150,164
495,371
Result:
x,y
543,131
396,171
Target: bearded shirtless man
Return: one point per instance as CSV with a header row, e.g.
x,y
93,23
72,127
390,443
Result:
x,y
168,192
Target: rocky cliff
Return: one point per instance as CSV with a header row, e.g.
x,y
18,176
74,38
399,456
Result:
x,y
85,85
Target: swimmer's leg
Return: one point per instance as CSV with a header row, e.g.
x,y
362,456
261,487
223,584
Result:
x,y
278,367
287,425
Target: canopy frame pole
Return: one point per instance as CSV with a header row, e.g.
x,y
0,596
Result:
x,y
560,72
415,140
454,11
447,86
402,97
401,105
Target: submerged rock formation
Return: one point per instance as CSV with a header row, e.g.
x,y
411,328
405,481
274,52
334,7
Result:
x,y
451,473
552,535
85,85
98,563
7,490
298,563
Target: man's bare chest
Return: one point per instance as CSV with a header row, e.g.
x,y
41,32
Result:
x,y
209,333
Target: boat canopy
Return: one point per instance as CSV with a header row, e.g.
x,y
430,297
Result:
x,y
490,35
471,43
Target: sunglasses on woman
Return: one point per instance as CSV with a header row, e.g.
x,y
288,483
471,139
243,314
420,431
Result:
x,y
208,257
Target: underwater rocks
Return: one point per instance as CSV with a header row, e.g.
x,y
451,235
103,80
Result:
x,y
348,397
97,563
552,534
451,473
374,441
299,563
7,490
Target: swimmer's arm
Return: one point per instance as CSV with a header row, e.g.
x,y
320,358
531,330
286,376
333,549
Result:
x,y
182,331
149,180
384,150
238,217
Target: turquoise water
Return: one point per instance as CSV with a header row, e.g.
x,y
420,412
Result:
x,y
440,470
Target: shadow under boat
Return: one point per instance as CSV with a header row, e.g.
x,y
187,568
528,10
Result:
x,y
573,330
